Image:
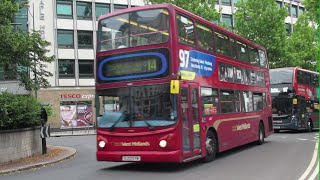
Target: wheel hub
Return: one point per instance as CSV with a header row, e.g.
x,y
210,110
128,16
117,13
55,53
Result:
x,y
210,145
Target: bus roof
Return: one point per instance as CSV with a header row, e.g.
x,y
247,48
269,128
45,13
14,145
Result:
x,y
294,68
172,7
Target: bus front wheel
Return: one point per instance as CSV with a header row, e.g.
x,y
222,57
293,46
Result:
x,y
309,126
211,147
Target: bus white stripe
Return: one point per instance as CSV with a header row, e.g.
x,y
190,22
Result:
x,y
313,161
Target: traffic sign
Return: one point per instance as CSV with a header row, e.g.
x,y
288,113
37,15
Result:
x,y
45,131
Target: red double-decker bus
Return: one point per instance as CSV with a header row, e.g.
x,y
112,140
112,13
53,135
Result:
x,y
173,87
295,99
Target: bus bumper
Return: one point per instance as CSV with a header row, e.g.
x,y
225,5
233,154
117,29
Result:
x,y
140,156
289,126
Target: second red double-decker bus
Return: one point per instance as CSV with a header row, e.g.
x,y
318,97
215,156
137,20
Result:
x,y
173,87
295,99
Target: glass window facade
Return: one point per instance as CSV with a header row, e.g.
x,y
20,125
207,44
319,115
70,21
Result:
x,y
227,19
7,72
21,20
84,10
64,9
102,9
226,2
66,68
85,39
294,11
86,68
288,28
119,7
65,39
301,10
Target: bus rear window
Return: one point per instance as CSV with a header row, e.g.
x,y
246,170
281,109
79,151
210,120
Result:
x,y
132,29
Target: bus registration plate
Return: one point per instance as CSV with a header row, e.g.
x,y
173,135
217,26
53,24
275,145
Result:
x,y
131,158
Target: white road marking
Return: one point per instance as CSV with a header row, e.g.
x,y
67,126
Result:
x,y
315,173
302,139
312,163
284,137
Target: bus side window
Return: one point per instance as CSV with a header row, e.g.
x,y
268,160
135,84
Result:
x,y
222,44
315,80
227,101
247,105
210,101
257,101
185,30
300,78
204,37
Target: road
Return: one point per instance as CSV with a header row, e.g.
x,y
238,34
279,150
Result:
x,y
284,156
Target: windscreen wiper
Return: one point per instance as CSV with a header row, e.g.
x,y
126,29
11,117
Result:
x,y
148,124
121,118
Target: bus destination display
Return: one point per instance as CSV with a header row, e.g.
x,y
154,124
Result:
x,y
126,67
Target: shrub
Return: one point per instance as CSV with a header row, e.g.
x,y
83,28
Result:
x,y
18,111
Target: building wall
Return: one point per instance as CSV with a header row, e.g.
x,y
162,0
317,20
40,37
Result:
x,y
81,101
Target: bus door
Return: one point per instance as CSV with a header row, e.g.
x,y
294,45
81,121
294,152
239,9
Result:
x,y
299,105
190,119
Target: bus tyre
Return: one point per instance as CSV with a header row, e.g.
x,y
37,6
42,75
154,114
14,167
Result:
x,y
261,134
211,147
309,126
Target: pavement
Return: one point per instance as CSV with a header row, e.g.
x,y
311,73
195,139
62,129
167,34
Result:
x,y
55,154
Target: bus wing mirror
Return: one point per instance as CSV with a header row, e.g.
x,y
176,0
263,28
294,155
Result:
x,y
174,86
295,101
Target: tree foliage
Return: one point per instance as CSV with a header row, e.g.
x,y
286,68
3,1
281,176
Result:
x,y
203,8
302,45
18,111
263,22
312,7
23,52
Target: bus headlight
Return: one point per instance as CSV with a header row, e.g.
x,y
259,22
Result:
x,y
102,144
163,143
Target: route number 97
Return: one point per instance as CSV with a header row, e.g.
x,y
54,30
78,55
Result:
x,y
184,58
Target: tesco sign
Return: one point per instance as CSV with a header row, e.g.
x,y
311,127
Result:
x,y
76,96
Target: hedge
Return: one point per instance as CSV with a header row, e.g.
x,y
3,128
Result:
x,y
18,111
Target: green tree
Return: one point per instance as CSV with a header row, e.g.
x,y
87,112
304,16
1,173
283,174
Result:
x,y
203,8
302,45
263,22
312,9
23,52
